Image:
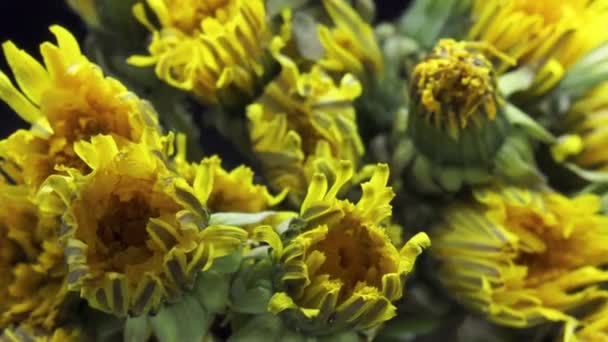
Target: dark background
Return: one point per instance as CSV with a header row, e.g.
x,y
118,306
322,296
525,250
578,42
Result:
x,y
26,23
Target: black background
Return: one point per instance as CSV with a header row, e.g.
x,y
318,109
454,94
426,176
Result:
x,y
26,23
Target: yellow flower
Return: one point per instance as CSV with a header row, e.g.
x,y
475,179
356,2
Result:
x,y
304,123
342,271
592,328
585,142
522,257
232,191
32,271
136,234
350,45
66,100
549,35
209,48
21,334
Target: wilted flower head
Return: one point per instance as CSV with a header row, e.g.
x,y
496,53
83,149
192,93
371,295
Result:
x,y
522,257
341,271
303,117
32,269
456,123
136,234
548,35
65,101
210,48
350,45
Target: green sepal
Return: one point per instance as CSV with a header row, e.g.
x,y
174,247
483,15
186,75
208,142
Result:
x,y
306,36
185,320
252,288
261,328
515,162
137,329
229,263
406,327
520,119
426,20
211,290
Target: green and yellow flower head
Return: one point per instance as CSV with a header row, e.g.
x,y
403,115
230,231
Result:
x,y
302,120
350,45
136,234
585,142
342,271
212,49
522,257
66,100
549,36
32,269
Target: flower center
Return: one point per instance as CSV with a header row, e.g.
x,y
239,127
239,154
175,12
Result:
x,y
186,15
355,254
544,249
454,84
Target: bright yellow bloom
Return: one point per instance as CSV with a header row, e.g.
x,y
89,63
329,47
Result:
x,y
549,35
455,86
592,328
21,334
304,123
522,257
136,234
232,191
350,45
209,48
586,141
342,271
66,100
32,271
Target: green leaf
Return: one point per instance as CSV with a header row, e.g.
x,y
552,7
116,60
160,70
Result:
x,y
137,329
349,336
262,328
516,80
185,320
252,301
228,264
406,328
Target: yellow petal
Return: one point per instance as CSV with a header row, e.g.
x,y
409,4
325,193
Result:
x,y
29,74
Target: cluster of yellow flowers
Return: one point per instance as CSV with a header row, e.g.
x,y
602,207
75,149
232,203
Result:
x,y
105,214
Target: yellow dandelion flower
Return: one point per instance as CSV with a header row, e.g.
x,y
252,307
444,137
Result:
x,y
350,45
585,140
301,119
233,191
522,257
549,35
32,270
342,271
209,48
135,233
66,100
